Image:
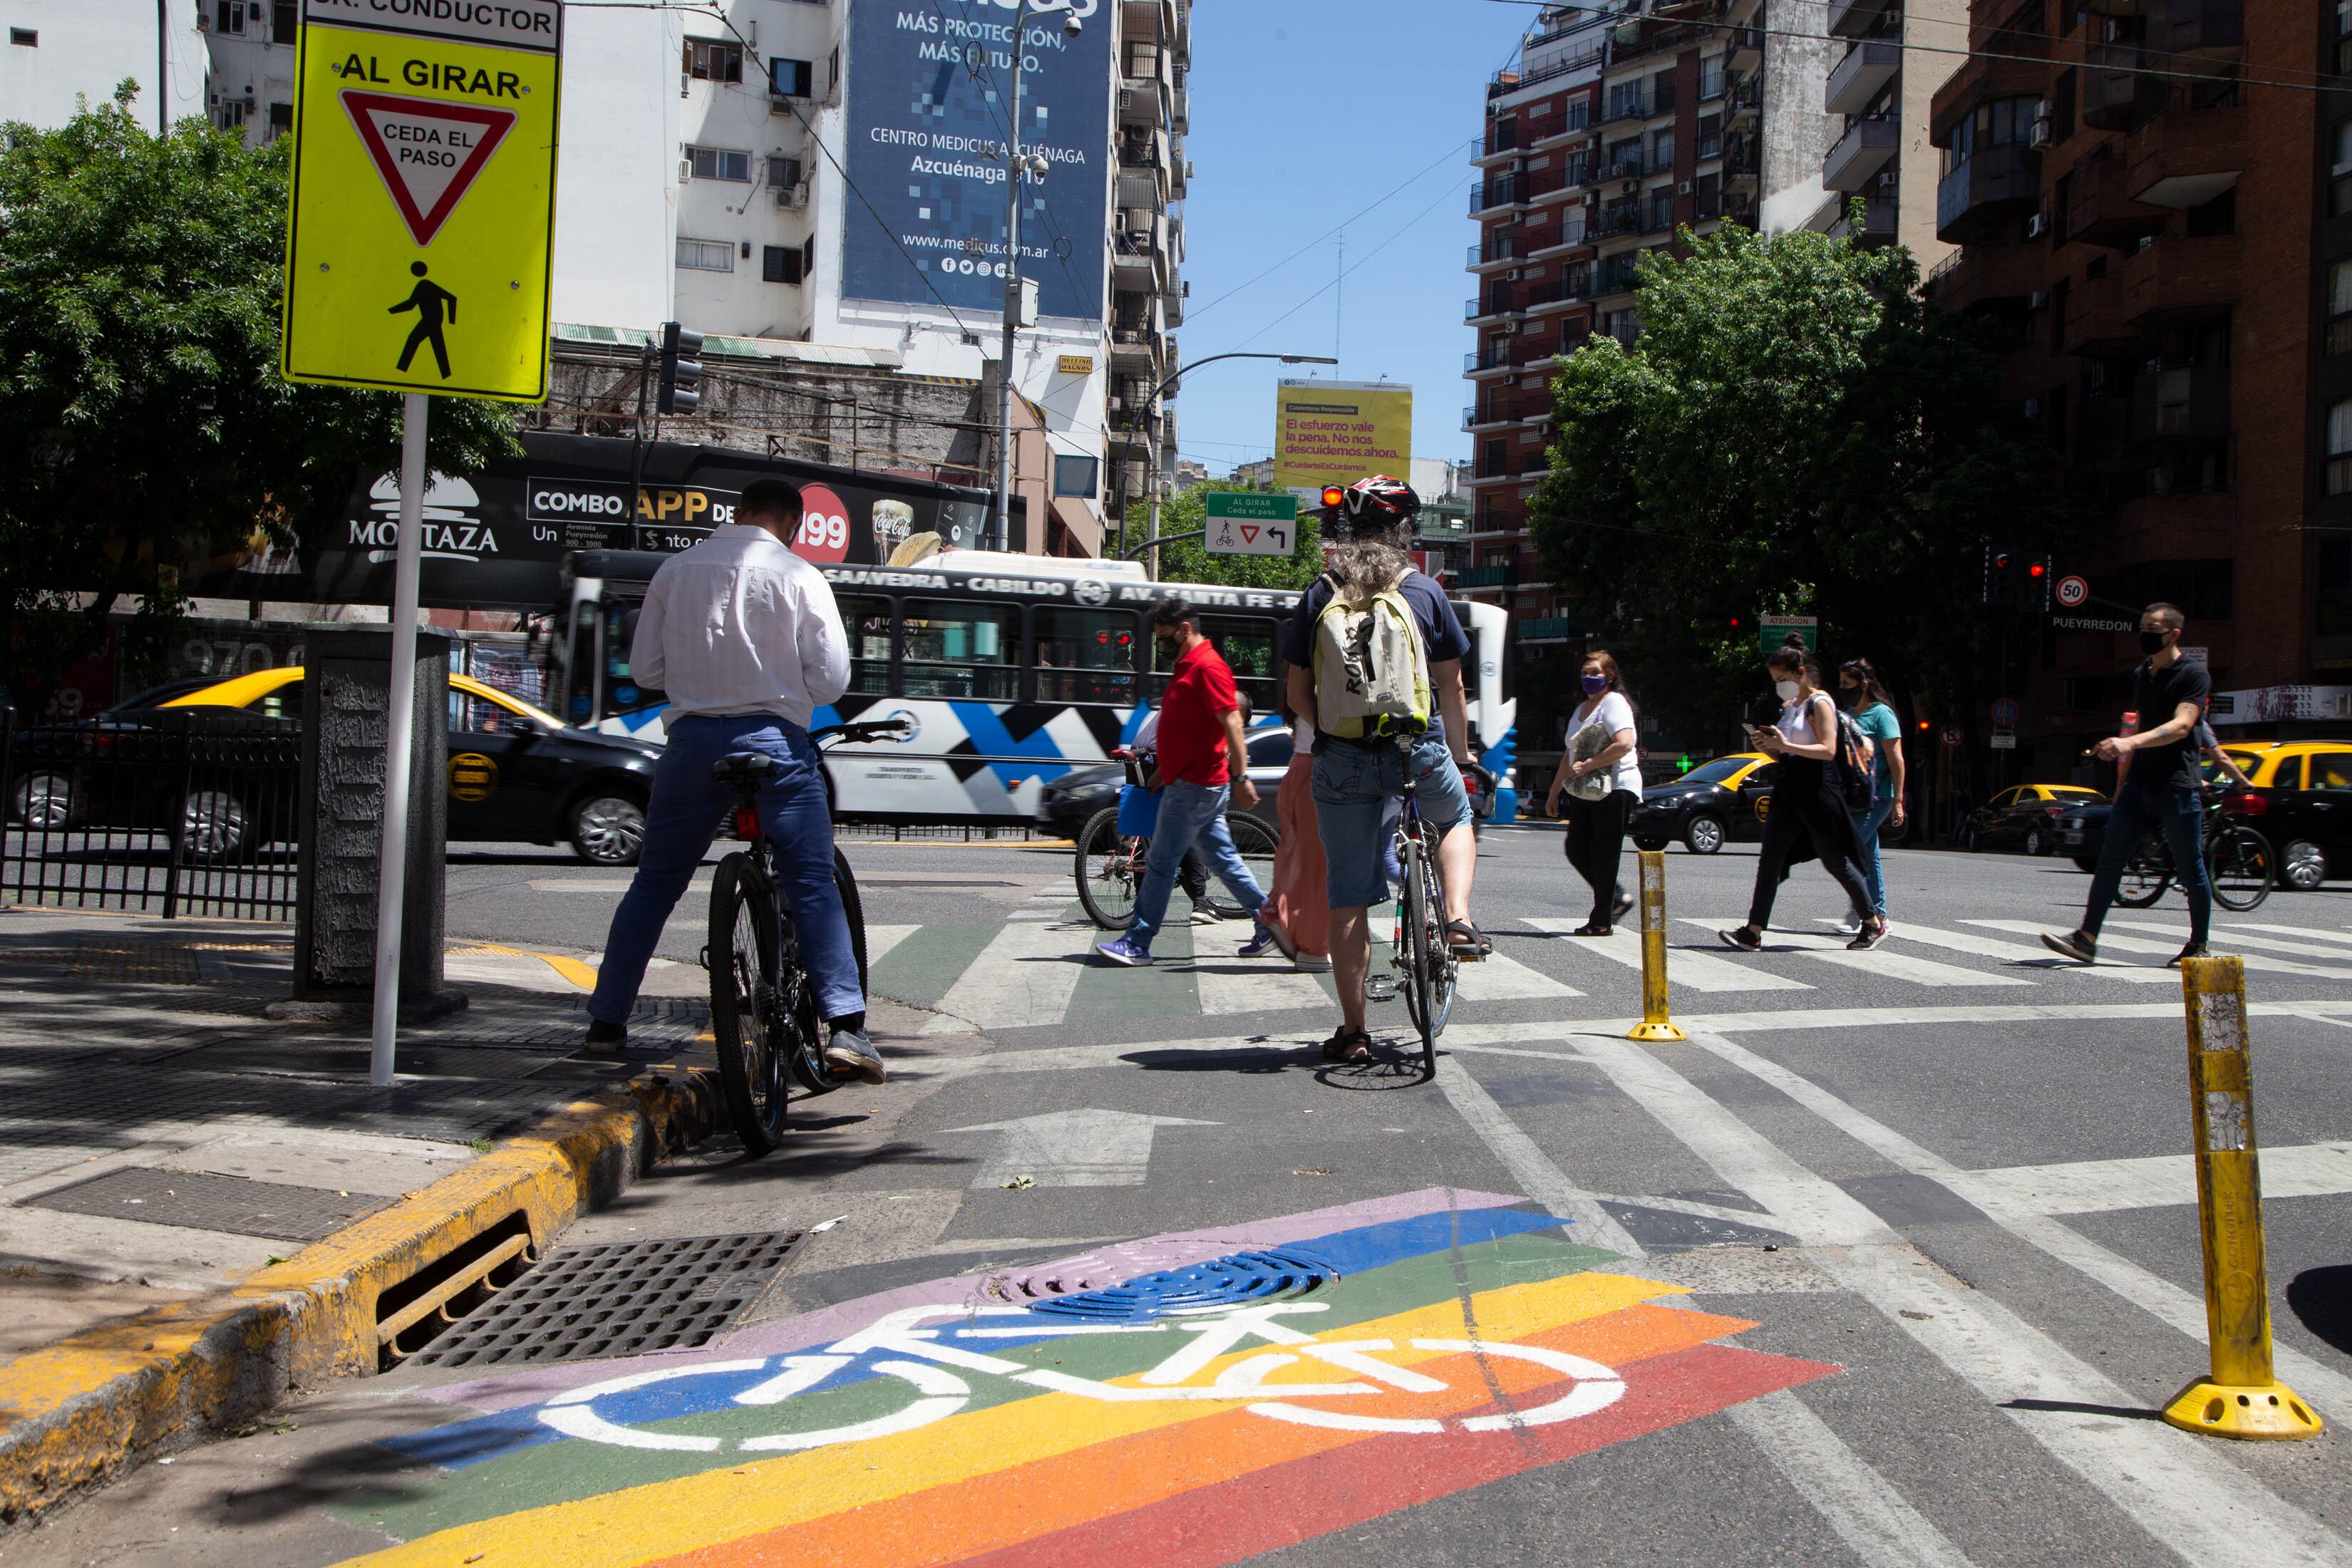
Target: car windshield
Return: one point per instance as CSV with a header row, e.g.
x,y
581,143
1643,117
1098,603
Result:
x,y
1719,770
156,696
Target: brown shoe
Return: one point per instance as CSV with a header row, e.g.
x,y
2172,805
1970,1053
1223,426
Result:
x,y
1348,1045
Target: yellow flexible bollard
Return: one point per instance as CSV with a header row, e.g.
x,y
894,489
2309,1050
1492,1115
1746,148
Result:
x,y
2242,1398
1655,1025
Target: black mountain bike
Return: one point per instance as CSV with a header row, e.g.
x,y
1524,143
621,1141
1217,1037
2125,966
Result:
x,y
2237,865
1426,960
1110,865
764,1017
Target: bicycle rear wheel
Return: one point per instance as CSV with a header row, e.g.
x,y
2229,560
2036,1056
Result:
x,y
745,952
1254,843
2145,875
1109,869
2237,863
1429,963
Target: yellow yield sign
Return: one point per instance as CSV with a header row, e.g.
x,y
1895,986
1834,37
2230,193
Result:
x,y
423,201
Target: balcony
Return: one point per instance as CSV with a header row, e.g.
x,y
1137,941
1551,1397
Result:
x,y
2182,274
1745,100
2190,404
2115,91
2186,157
1498,301
1613,275
1626,106
2103,442
2094,317
1503,576
1490,196
1996,277
1134,348
1867,67
2099,212
1987,191
1867,146
1744,49
2201,34
1879,216
1486,361
1852,18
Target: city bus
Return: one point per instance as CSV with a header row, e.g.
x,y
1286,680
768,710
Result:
x,y
1011,669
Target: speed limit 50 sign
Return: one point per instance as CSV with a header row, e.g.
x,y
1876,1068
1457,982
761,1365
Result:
x,y
2072,590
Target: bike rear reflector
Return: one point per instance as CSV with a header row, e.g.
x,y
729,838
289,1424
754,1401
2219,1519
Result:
x,y
747,824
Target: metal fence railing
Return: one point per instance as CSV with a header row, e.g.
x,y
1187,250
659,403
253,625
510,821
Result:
x,y
177,813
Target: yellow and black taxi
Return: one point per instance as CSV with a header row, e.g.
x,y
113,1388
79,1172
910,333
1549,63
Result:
x,y
2025,816
2080,831
516,774
1707,807
2300,802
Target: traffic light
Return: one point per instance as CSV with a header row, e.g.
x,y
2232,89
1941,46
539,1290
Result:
x,y
681,371
2016,580
2033,584
1327,515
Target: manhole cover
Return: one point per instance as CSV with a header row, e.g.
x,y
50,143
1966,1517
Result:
x,y
618,1299
1228,1281
197,1200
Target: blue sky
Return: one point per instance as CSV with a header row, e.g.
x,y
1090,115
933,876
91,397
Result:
x,y
1304,111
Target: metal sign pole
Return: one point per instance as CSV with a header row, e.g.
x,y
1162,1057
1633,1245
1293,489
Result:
x,y
399,741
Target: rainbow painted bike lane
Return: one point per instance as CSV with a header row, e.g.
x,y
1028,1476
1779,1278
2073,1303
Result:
x,y
1203,1397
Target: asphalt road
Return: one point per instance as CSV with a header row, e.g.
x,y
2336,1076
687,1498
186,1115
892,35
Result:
x,y
1891,1262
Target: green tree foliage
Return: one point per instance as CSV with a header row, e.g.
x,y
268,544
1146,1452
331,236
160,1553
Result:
x,y
147,435
1795,431
1186,561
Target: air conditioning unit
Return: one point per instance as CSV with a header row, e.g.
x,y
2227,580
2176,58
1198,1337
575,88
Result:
x,y
2037,225
793,195
2040,135
685,170
1117,403
2032,407
1684,189
1512,275
2035,300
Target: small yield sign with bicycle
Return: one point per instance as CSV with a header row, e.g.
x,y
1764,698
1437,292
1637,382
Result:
x,y
1207,1396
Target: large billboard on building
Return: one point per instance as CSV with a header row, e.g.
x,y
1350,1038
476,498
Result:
x,y
928,87
1336,432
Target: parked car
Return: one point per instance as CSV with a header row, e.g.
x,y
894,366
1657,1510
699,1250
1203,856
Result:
x,y
515,772
41,758
2300,802
1708,806
2025,817
1064,805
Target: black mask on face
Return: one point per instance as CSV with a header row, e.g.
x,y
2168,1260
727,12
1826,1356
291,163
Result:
x,y
2152,642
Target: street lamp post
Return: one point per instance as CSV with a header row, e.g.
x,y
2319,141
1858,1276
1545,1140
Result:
x,y
1152,446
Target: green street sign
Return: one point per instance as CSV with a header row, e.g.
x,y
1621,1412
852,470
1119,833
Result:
x,y
1250,523
1774,631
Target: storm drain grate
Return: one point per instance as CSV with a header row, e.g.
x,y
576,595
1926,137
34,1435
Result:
x,y
197,1200
619,1299
1235,1280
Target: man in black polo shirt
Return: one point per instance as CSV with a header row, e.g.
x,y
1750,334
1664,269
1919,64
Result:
x,y
2157,784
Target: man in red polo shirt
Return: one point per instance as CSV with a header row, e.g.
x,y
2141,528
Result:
x,y
1201,763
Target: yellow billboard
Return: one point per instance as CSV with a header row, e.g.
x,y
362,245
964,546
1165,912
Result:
x,y
1336,432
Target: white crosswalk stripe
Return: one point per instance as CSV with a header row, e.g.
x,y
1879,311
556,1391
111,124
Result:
x,y
1875,961
2109,940
2233,938
1229,983
1685,970
880,940
1022,978
2032,956
2338,937
1499,978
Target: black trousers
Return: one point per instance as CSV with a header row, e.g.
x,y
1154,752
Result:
x,y
1806,810
1596,845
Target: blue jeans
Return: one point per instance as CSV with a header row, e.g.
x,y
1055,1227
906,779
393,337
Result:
x,y
1353,787
1190,815
681,821
1866,824
2175,812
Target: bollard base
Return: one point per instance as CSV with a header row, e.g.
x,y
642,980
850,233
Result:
x,y
2263,1412
1655,1031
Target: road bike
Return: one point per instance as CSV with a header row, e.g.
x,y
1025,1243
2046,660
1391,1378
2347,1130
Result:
x,y
2238,864
939,1351
764,1018
1426,962
1110,865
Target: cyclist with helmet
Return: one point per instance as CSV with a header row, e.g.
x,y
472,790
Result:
x,y
1356,775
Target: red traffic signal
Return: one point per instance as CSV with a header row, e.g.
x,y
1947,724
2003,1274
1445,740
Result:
x,y
1333,496
2038,569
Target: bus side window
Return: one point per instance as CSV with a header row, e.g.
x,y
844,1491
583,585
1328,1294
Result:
x,y
866,619
1085,656
955,648
1247,644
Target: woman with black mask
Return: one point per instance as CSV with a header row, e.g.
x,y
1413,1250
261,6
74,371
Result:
x,y
1806,804
1601,770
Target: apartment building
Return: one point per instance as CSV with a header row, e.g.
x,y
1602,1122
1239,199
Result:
x,y
62,52
1881,89
1613,128
2168,234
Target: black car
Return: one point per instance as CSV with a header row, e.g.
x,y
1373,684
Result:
x,y
1064,805
2025,816
1707,807
2080,832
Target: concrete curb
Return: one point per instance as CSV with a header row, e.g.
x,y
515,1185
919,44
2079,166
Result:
x,y
76,1414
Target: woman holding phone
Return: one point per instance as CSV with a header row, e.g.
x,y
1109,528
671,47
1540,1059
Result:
x,y
1600,771
1806,804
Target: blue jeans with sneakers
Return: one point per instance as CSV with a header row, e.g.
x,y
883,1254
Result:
x,y
1190,815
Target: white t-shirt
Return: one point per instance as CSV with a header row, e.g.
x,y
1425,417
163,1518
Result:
x,y
1795,720
1612,714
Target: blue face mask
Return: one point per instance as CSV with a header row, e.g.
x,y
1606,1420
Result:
x,y
1594,685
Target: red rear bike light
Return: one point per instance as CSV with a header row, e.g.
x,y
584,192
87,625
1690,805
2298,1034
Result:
x,y
2245,804
747,824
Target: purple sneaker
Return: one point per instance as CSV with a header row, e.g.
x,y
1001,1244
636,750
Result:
x,y
1125,953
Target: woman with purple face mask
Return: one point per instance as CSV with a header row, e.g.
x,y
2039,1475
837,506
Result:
x,y
1600,772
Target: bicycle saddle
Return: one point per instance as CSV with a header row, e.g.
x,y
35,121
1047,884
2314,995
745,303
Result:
x,y
743,767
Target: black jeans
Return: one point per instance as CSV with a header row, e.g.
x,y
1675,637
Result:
x,y
2175,813
1807,809
1596,845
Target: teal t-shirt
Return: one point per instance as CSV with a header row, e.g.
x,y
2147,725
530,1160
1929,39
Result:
x,y
1878,722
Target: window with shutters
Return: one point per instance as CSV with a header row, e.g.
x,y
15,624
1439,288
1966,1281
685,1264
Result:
x,y
780,264
719,163
285,21
783,172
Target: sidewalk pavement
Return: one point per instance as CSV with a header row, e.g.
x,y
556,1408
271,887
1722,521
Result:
x,y
162,1142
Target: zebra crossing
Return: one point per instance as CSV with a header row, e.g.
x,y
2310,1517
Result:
x,y
1038,971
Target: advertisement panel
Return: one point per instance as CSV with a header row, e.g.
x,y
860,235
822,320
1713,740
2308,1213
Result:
x,y
929,85
1336,432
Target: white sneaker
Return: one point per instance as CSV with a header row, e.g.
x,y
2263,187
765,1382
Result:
x,y
1313,963
1203,915
1850,926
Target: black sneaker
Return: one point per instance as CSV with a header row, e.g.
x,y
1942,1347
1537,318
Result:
x,y
2079,945
2194,950
1745,938
850,1051
605,1040
1870,935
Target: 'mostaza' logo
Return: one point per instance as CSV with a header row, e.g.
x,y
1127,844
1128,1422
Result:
x,y
450,531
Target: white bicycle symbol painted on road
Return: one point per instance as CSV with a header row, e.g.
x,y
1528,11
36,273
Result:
x,y
899,1346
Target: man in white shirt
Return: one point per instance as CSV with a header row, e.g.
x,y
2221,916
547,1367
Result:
x,y
745,639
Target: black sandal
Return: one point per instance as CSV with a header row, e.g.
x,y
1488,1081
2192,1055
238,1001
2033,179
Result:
x,y
1592,928
1348,1045
1468,943
1747,939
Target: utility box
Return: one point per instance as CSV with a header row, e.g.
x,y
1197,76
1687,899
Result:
x,y
346,711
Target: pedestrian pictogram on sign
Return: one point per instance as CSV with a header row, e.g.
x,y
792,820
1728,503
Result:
x,y
1243,522
419,249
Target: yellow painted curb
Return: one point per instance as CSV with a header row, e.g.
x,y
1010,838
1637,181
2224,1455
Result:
x,y
75,1413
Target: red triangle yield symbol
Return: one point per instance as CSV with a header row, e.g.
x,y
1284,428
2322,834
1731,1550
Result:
x,y
427,151
1249,534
